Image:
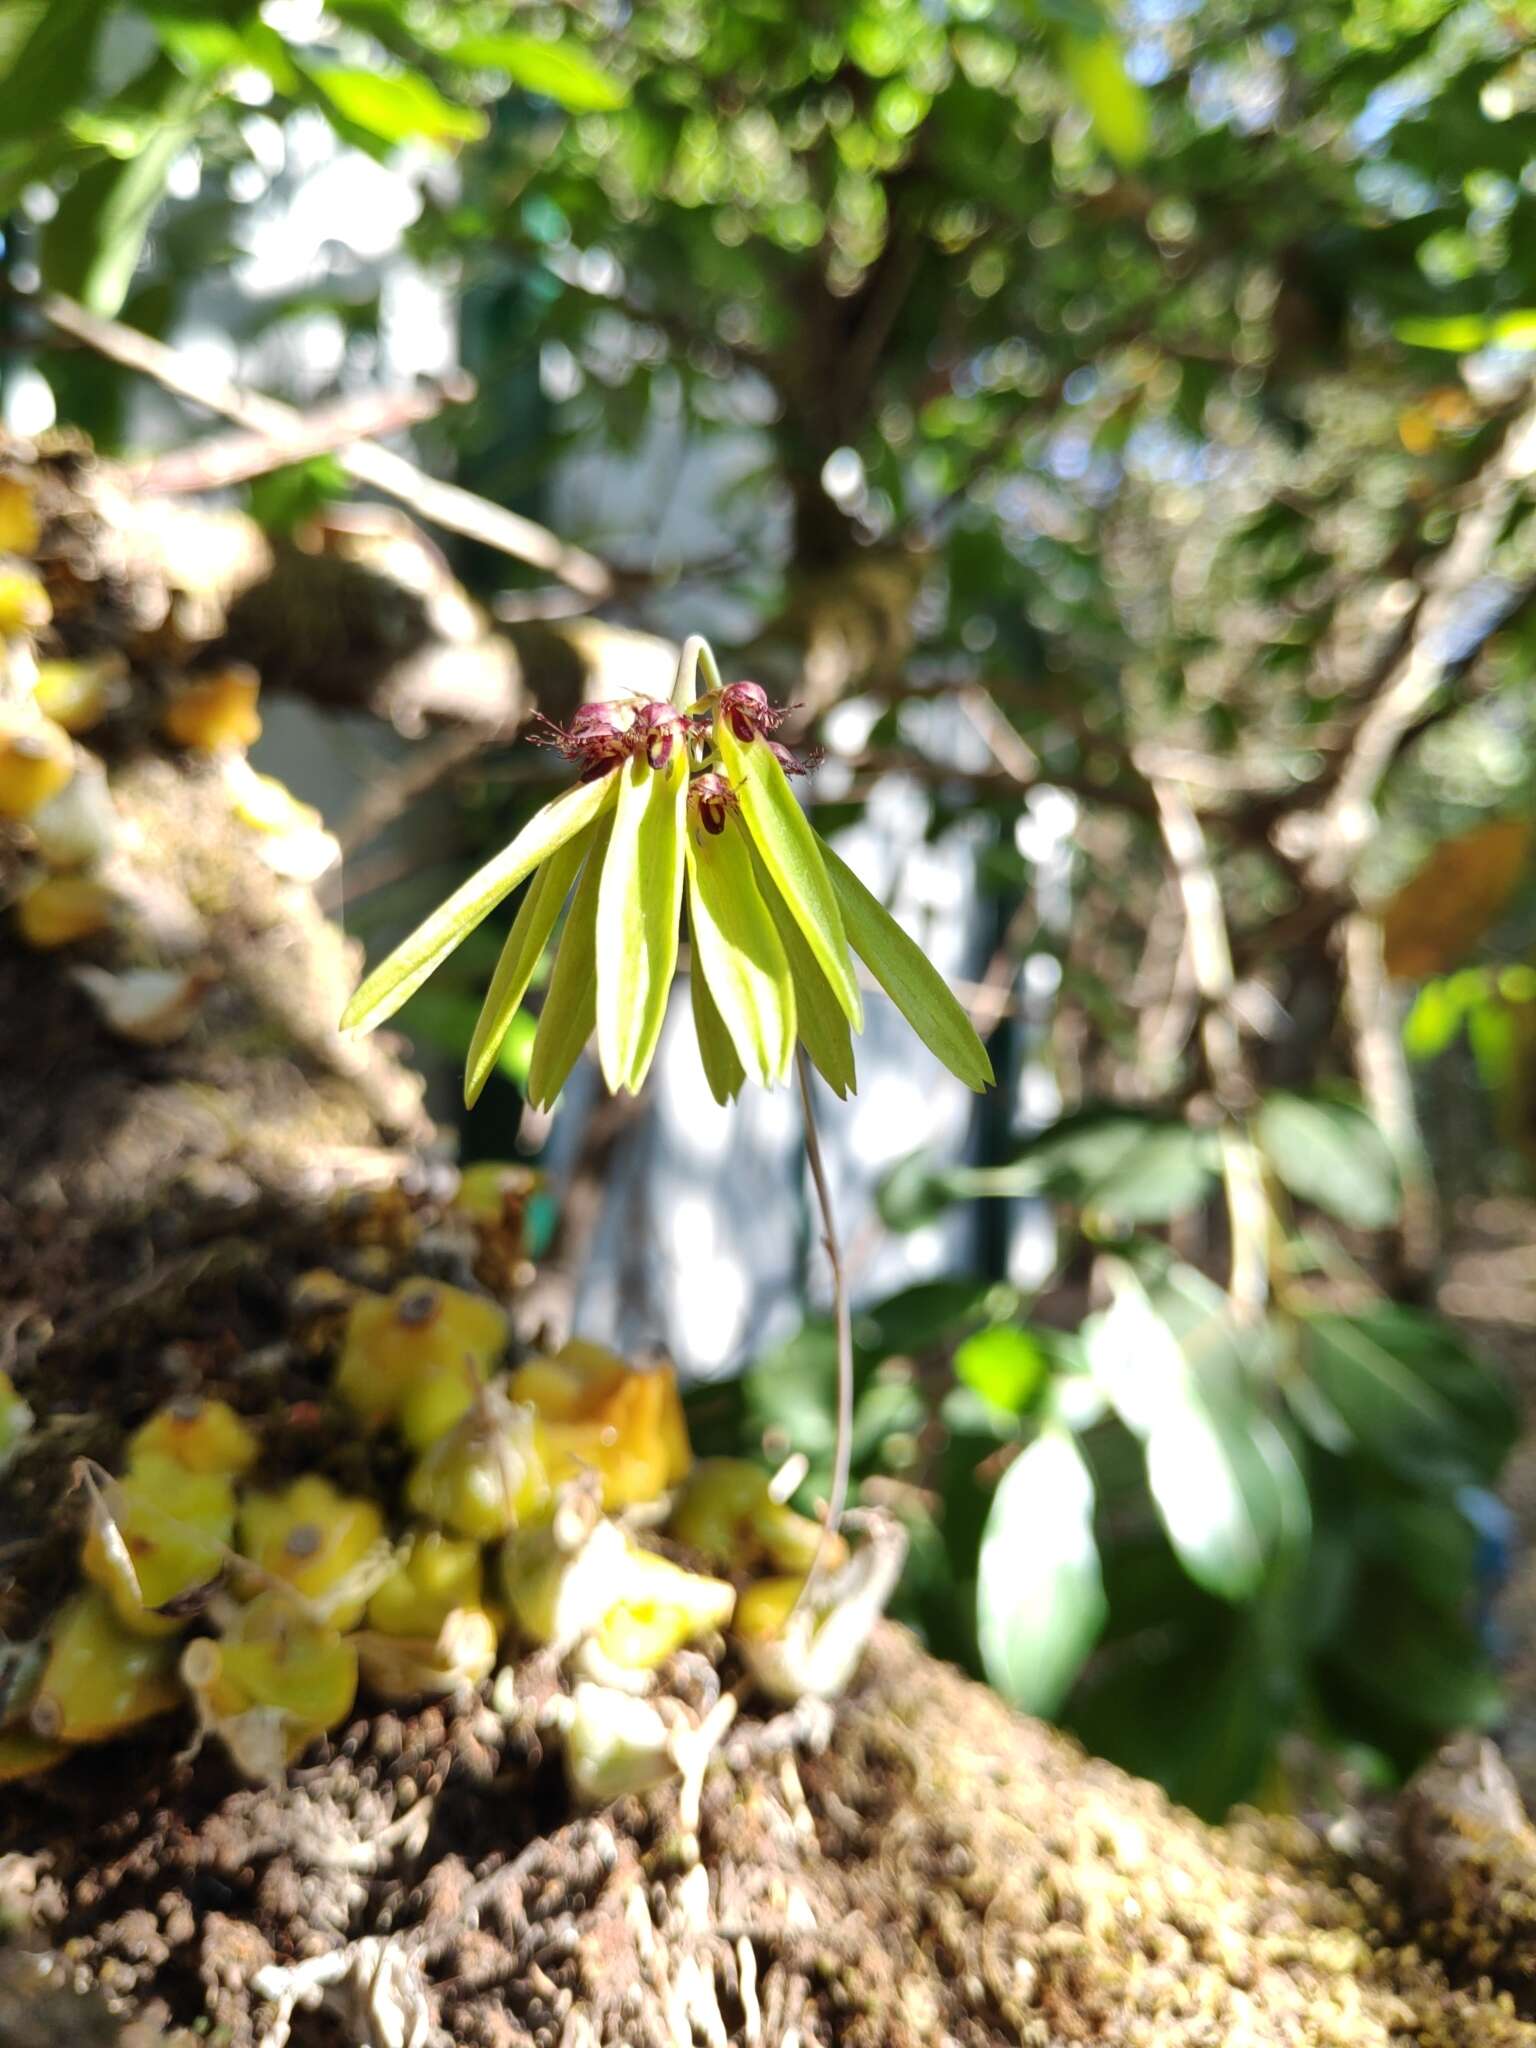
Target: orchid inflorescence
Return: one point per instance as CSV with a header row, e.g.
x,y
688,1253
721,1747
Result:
x,y
687,793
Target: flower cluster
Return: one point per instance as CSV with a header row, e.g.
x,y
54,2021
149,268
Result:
x,y
686,796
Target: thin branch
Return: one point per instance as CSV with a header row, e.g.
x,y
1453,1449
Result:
x,y
1431,651
1210,959
842,1317
440,504
224,459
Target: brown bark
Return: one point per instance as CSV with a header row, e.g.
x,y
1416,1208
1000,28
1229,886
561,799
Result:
x,y
925,1868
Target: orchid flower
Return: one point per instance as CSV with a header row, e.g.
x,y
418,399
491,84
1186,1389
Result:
x,y
689,795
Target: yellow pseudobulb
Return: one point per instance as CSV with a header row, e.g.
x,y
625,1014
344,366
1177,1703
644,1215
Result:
x,y
320,1541
597,1413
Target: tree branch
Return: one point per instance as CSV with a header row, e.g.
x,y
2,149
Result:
x,y
445,505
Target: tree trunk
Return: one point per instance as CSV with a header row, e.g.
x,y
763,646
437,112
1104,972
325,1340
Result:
x,y
922,1868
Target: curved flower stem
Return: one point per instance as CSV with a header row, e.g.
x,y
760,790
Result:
x,y
843,1320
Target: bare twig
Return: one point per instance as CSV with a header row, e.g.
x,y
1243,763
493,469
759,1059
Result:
x,y
225,459
842,1318
1384,1081
1210,959
445,505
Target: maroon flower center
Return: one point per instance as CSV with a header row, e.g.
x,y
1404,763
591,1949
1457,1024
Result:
x,y
713,798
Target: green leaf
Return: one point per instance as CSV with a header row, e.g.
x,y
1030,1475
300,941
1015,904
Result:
x,y
556,71
1005,1365
50,47
914,1193
792,855
1412,1397
569,1016
520,957
638,906
394,107
91,247
908,977
722,1069
737,947
1116,105
394,980
819,1017
1411,1660
1170,1362
1136,1169
1331,1154
1039,1594
1463,332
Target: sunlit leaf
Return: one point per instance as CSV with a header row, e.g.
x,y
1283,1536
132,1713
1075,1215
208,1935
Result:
x,y
1330,1154
908,977
520,956
561,72
1116,105
1006,1366
46,52
638,906
394,980
819,1017
722,1068
1463,332
1039,1593
737,948
1170,1361
792,855
400,106
569,1016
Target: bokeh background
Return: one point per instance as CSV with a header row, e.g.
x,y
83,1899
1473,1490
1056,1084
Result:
x,y
1114,433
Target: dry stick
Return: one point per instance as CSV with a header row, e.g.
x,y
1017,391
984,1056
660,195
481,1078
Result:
x,y
224,459
1210,959
1388,1090
838,1498
445,505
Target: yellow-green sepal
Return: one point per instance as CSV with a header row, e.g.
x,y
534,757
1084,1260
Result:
x,y
722,1068
639,901
792,855
736,947
396,979
908,977
819,1020
569,1015
520,956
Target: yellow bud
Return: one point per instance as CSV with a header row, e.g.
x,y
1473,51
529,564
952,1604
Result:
x,y
490,1192
215,711
79,694
460,1654
661,1607
321,1542
764,1607
100,1679
276,1681
485,1476
36,761
437,1403
433,1575
726,1511
614,1745
156,1539
24,604
25,1755
15,1420
425,1328
20,527
199,1435
60,910
596,1413
559,1594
